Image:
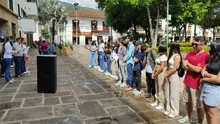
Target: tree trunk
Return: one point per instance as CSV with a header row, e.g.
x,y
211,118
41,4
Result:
x,y
213,34
53,31
203,33
185,32
195,30
156,31
150,25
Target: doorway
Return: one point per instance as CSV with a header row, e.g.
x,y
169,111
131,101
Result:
x,y
88,39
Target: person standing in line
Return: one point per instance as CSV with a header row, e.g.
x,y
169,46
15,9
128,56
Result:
x,y
151,91
2,43
210,93
23,61
11,42
44,48
139,59
97,45
39,44
18,57
108,52
101,56
92,55
122,65
129,61
193,64
172,81
114,61
158,75
7,59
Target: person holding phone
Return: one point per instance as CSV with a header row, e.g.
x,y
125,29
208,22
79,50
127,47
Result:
x,y
8,59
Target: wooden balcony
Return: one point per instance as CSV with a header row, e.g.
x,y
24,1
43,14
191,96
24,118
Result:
x,y
104,29
78,29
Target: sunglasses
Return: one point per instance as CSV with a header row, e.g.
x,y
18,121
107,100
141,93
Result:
x,y
196,44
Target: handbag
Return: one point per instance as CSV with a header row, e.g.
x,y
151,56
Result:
x,y
181,70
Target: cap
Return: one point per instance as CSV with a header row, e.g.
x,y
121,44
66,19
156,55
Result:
x,y
138,43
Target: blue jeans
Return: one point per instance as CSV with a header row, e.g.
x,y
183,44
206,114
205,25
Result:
x,y
17,60
130,74
44,52
108,61
23,67
7,68
92,56
101,60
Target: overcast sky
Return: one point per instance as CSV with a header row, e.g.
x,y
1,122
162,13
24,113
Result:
x,y
84,3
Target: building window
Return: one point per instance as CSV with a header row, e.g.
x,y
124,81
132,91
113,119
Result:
x,y
13,29
31,0
75,24
94,25
11,5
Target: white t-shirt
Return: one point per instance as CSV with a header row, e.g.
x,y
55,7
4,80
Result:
x,y
101,47
160,59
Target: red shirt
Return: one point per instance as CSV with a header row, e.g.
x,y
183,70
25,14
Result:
x,y
44,46
192,78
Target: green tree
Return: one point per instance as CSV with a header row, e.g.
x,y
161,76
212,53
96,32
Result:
x,y
52,11
211,18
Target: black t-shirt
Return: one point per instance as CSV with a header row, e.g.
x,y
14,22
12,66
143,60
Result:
x,y
213,68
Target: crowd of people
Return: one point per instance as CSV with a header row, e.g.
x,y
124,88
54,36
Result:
x,y
126,59
13,52
45,47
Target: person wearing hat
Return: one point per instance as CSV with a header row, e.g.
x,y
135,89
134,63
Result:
x,y
138,67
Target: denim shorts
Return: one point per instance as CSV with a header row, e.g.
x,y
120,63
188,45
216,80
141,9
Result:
x,y
210,94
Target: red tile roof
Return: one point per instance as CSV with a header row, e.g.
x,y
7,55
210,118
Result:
x,y
87,13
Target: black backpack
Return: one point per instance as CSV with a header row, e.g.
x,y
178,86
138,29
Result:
x,y
181,70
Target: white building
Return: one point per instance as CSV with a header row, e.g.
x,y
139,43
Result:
x,y
27,15
90,25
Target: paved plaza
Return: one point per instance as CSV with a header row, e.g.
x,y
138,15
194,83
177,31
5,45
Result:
x,y
84,96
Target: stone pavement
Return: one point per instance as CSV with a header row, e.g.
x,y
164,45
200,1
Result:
x,y
84,96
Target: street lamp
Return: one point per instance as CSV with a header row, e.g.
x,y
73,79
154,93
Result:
x,y
76,5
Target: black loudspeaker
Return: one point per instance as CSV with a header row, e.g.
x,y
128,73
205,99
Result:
x,y
46,73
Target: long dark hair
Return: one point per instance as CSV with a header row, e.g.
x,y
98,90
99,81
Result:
x,y
174,48
162,49
214,52
93,42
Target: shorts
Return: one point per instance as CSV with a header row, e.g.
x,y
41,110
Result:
x,y
191,95
210,94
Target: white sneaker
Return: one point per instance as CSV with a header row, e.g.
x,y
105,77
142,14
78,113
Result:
x,y
184,120
90,66
115,77
166,113
137,93
95,66
107,73
101,70
11,81
154,104
118,84
171,115
123,85
134,91
159,107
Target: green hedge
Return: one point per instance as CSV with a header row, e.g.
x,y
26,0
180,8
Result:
x,y
186,48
